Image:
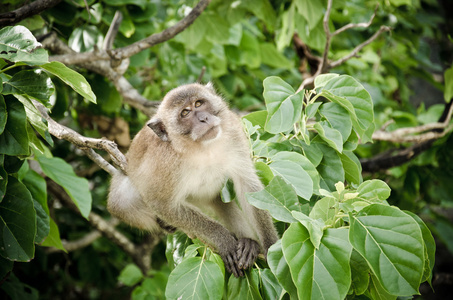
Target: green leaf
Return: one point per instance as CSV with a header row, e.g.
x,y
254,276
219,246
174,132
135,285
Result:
x,y
42,223
35,118
347,92
14,139
280,268
17,222
318,274
53,239
195,278
217,29
76,81
330,168
264,172
283,105
263,10
35,84
271,57
62,173
374,190
315,227
392,244
302,161
3,180
250,54
130,275
244,287
270,287
17,44
338,118
448,92
324,209
3,114
430,248
84,38
376,291
311,10
352,167
279,198
359,273
295,175
37,186
330,135
322,79
227,194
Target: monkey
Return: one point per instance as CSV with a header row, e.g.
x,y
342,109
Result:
x,y
177,165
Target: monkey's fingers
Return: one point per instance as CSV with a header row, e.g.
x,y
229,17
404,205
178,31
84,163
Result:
x,y
230,262
247,252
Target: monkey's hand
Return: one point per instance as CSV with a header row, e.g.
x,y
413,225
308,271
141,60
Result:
x,y
247,252
230,259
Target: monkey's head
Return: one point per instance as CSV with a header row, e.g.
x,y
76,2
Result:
x,y
192,112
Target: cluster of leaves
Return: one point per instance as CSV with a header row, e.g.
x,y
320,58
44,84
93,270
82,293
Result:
x,y
24,212
349,241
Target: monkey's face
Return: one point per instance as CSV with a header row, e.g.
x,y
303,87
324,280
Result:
x,y
191,112
199,121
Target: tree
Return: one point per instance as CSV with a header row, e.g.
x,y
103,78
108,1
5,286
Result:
x,y
305,135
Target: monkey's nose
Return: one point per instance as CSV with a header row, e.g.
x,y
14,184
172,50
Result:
x,y
203,117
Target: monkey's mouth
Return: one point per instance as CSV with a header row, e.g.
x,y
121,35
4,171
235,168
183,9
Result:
x,y
210,134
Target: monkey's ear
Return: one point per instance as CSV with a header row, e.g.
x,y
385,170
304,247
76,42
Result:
x,y
158,127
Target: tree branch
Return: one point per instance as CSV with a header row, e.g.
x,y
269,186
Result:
x,y
324,64
26,11
85,143
160,37
141,254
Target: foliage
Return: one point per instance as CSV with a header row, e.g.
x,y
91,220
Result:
x,y
307,145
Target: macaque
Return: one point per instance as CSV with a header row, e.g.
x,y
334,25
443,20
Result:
x,y
177,166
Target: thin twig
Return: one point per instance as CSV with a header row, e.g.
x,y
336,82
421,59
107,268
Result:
x,y
359,47
26,11
160,37
351,25
113,31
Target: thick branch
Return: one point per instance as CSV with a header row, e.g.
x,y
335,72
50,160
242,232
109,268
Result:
x,y
26,11
85,143
428,132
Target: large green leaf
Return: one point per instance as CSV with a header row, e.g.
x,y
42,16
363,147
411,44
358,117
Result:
x,y
17,44
284,107
84,38
374,190
245,288
302,161
270,287
53,238
176,246
62,173
430,247
392,244
280,268
346,91
130,275
295,175
448,77
324,209
279,198
272,57
360,273
311,10
322,273
76,81
35,84
14,139
195,278
17,223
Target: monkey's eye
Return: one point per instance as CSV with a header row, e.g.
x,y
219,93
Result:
x,y
185,113
198,103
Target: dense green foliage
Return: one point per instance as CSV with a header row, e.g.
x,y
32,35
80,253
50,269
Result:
x,y
341,235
